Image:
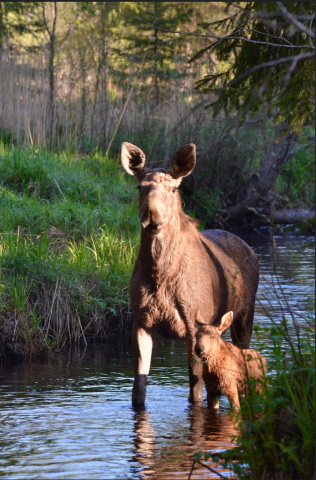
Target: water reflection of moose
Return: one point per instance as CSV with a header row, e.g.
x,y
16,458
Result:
x,y
207,430
179,270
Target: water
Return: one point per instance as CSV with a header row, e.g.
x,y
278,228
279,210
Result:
x,y
71,416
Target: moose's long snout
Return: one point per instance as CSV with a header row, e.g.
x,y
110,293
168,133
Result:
x,y
152,210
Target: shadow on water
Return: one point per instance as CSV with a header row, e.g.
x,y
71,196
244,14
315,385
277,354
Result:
x,y
71,416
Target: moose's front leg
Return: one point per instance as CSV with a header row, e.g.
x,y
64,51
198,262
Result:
x,y
142,348
195,375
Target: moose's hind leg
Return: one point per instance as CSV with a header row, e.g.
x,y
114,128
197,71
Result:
x,y
241,329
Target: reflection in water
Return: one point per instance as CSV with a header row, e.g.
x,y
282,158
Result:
x,y
71,416
144,441
207,431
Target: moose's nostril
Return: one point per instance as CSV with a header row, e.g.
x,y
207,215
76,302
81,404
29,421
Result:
x,y
197,351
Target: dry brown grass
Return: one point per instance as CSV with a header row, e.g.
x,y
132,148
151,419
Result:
x,y
79,109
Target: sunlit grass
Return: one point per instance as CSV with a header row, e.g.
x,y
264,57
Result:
x,y
69,229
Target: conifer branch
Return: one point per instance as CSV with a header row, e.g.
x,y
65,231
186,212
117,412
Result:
x,y
295,21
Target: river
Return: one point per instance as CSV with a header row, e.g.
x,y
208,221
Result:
x,y
70,416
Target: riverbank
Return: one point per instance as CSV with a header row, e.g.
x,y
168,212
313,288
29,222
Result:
x,y
69,236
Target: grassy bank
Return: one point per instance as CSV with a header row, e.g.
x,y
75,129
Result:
x,y
69,235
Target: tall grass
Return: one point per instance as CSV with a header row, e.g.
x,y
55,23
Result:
x,y
25,106
68,240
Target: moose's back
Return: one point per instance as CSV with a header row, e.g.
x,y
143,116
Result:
x,y
237,273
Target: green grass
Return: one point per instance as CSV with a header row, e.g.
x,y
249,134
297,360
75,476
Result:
x,y
69,236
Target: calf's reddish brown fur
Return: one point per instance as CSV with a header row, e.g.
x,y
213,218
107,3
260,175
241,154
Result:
x,y
226,367
180,270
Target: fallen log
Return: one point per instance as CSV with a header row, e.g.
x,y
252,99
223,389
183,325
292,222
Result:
x,y
259,217
289,216
281,216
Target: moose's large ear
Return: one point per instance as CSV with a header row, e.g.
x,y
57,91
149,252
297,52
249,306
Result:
x,y
183,161
226,321
133,159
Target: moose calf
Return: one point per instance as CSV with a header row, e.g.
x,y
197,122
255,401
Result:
x,y
226,367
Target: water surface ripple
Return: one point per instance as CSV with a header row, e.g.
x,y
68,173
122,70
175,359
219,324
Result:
x,y
71,416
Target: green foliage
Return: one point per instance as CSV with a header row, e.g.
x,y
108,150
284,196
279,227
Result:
x,y
297,181
69,237
256,35
222,173
156,23
16,17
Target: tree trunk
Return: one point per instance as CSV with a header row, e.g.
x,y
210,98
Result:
x,y
1,28
104,113
156,56
51,83
83,98
264,179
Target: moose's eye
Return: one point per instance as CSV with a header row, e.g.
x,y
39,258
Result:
x,y
174,189
138,187
213,338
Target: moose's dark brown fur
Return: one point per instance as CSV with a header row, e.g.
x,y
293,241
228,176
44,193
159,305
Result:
x,y
180,270
226,367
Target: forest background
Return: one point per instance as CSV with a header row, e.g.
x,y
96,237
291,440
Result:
x,y
86,76
79,78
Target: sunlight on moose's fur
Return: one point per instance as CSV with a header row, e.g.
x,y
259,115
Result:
x,y
180,270
226,368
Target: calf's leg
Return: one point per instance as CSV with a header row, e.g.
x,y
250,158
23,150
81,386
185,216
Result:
x,y
212,400
233,397
195,376
142,349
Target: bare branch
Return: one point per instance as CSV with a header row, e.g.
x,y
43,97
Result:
x,y
55,17
227,37
211,469
271,36
276,14
292,67
272,63
295,21
44,17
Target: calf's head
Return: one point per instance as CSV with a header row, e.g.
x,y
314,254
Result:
x,y
208,337
158,196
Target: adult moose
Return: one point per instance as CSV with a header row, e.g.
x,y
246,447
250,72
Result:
x,y
180,271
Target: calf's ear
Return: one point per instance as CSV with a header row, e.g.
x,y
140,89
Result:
x,y
226,321
183,161
133,159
